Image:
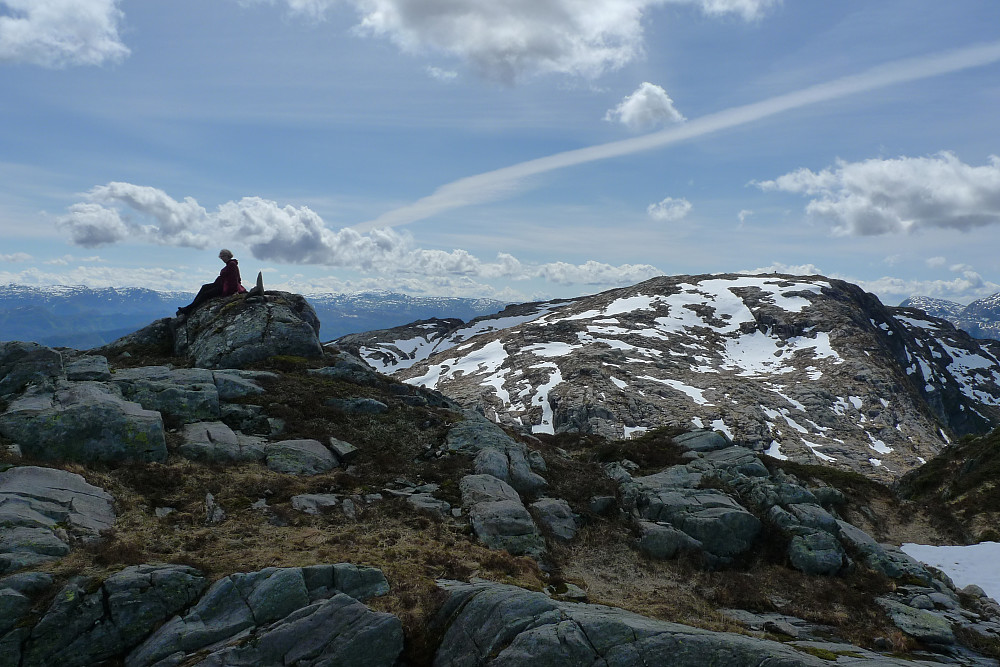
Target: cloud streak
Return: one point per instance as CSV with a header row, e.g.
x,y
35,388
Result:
x,y
505,182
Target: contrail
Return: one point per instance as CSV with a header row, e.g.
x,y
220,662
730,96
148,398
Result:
x,y
494,185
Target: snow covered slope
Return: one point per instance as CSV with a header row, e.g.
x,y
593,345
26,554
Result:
x,y
802,367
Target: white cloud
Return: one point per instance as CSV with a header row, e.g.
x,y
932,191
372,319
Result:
x,y
743,215
968,287
790,269
501,183
892,260
669,209
648,107
16,257
506,40
899,195
891,290
441,74
936,262
750,10
119,212
596,273
58,33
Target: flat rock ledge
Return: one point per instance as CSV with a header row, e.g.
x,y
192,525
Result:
x,y
496,624
43,511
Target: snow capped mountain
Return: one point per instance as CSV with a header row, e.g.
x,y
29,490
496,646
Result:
x,y
981,318
801,367
82,317
948,310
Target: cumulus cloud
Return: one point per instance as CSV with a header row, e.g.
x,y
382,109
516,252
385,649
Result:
x,y
507,40
935,262
648,107
16,257
789,269
596,273
59,33
669,209
905,194
891,290
119,212
967,287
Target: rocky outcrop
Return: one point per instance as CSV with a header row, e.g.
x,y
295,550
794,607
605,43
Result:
x,y
236,331
496,453
494,624
499,518
90,621
83,421
23,364
807,368
216,442
303,616
43,511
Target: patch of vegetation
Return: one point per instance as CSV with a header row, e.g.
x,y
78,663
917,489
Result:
x,y
966,474
855,486
653,451
987,646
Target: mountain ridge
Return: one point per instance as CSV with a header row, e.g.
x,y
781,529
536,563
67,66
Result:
x,y
801,366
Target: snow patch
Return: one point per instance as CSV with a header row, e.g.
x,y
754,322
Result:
x,y
973,564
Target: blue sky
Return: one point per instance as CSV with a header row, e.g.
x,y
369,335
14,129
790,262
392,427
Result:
x,y
341,145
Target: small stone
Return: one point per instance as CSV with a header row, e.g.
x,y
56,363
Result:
x,y
601,504
349,509
161,512
214,514
344,451
781,628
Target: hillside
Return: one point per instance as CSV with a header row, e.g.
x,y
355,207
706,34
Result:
x,y
800,367
221,490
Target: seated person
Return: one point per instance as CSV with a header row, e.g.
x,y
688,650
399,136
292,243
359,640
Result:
x,y
227,283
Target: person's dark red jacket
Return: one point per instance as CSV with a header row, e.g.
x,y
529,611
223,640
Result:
x,y
229,279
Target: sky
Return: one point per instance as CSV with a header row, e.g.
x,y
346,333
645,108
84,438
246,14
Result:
x,y
511,149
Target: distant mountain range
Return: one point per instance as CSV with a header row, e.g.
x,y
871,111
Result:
x,y
82,318
800,367
980,319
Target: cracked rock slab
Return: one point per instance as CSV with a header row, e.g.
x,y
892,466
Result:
x,y
40,508
496,624
215,441
238,605
89,622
